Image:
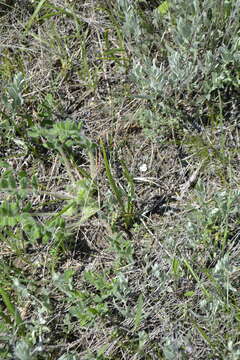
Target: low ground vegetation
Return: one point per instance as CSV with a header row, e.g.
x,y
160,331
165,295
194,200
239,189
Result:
x,y
119,182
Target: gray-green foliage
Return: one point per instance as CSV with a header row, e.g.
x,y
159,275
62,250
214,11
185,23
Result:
x,y
12,98
98,299
213,222
12,119
22,351
183,56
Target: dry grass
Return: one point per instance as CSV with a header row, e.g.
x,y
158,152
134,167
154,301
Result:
x,y
95,263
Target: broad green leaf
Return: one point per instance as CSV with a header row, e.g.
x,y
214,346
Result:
x,y
139,312
175,266
163,7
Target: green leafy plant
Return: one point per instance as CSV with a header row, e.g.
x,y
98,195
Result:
x,y
14,121
61,137
13,99
123,248
86,305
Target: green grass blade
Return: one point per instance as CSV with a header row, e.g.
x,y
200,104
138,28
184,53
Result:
x,y
195,276
11,308
115,189
205,336
34,15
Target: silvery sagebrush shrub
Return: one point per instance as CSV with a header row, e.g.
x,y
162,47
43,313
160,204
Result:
x,y
185,54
